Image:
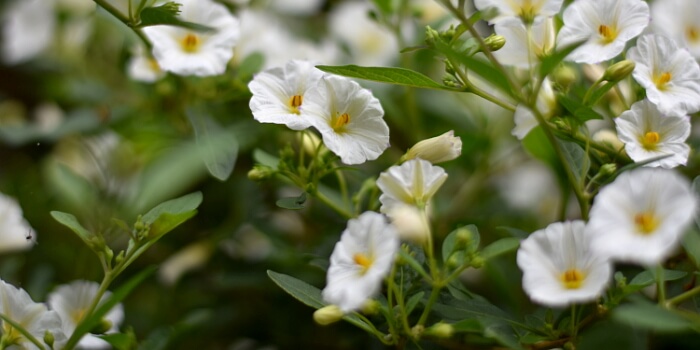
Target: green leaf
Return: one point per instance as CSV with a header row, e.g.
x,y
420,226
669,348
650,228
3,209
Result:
x,y
451,244
219,147
596,95
251,64
167,14
578,159
578,110
648,277
168,215
72,223
413,302
121,341
650,316
514,232
390,75
691,244
468,326
96,317
551,61
500,247
293,203
413,263
310,296
266,159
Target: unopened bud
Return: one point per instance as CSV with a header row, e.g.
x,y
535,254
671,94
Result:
x,y
431,35
259,173
327,315
495,42
619,71
102,327
608,169
608,138
564,76
417,331
477,261
436,149
370,307
464,236
440,330
49,338
448,34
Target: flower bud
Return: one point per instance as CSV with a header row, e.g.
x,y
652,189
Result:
x,y
431,35
495,42
437,149
327,315
102,327
410,223
608,138
417,331
440,330
608,169
259,173
370,307
49,338
619,71
564,76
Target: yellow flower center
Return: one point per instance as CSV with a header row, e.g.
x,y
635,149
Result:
x,y
662,80
646,223
572,279
527,11
154,65
78,315
364,261
340,122
693,34
607,33
650,140
190,43
294,103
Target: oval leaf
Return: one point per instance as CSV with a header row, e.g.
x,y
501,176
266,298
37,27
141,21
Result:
x,y
390,75
500,247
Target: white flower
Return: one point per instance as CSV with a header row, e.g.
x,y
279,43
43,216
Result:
x,y
279,94
360,261
641,216
27,29
35,318
72,301
670,75
648,134
527,10
516,51
350,120
187,52
559,266
678,20
411,183
436,149
369,43
525,119
143,68
15,232
604,25
410,222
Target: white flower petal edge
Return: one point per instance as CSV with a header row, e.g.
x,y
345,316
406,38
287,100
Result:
x,y
413,182
641,216
144,68
678,20
360,261
71,302
649,134
516,52
604,25
670,75
279,93
34,317
186,52
350,120
15,232
512,10
559,267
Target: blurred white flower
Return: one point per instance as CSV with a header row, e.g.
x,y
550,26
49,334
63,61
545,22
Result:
x,y
670,75
72,302
436,149
369,43
296,7
609,138
641,216
524,118
349,118
15,232
678,20
279,93
516,51
604,26
410,222
189,258
560,268
649,134
429,11
187,52
411,183
360,261
144,68
520,10
35,318
27,29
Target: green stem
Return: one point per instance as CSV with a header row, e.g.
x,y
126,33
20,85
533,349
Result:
x,y
429,305
126,20
574,324
381,336
660,285
591,89
391,286
18,327
469,87
683,297
327,201
622,96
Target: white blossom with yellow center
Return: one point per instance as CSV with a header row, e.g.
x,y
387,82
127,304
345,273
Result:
x,y
188,52
559,266
412,183
72,302
648,134
349,118
678,20
641,216
670,75
360,261
604,27
279,93
520,10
